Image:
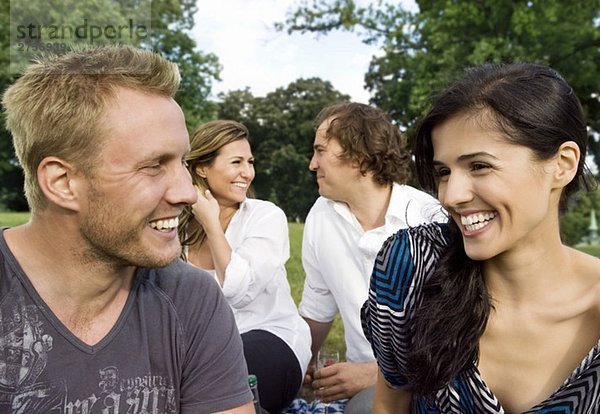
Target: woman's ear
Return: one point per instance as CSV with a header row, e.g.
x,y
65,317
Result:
x,y
58,181
567,161
200,171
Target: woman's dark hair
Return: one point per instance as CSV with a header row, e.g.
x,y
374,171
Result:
x,y
533,106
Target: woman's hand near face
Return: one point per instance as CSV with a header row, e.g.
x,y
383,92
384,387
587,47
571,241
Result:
x,y
206,209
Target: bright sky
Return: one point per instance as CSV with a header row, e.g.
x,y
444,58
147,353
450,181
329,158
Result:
x,y
254,54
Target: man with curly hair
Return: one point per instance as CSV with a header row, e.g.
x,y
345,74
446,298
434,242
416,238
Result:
x,y
362,166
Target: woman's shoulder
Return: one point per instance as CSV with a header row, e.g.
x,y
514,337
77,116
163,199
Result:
x,y
255,205
435,233
412,251
262,212
586,265
586,272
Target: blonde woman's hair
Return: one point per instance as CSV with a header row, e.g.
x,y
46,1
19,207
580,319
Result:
x,y
56,107
205,143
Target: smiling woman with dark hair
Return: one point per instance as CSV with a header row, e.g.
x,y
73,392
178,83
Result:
x,y
491,312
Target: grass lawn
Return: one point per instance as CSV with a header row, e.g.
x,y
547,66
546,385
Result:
x,y
296,276
594,250
13,219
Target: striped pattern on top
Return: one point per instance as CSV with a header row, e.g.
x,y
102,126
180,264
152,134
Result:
x,y
404,263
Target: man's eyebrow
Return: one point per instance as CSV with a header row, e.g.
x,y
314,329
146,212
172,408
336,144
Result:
x,y
155,156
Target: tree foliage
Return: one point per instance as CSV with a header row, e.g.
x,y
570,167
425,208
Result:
x,y
574,224
282,135
11,178
422,51
169,21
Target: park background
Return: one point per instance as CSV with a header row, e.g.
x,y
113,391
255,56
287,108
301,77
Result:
x,y
418,47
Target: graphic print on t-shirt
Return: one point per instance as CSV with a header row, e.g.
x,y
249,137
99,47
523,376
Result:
x,y
25,388
151,394
23,346
24,349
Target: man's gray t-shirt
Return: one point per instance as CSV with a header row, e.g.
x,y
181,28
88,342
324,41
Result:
x,y
174,349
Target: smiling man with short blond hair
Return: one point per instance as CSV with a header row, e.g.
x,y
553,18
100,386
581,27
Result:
x,y
97,312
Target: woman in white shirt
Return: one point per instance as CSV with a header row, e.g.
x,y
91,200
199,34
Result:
x,y
244,243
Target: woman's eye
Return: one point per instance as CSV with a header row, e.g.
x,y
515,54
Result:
x,y
441,173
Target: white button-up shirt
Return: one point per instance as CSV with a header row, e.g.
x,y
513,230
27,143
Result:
x,y
256,284
338,257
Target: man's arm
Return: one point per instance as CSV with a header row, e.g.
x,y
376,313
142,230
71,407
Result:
x,y
318,333
243,409
344,380
341,380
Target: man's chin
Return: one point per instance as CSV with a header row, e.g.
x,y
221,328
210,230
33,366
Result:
x,y
156,262
166,260
162,257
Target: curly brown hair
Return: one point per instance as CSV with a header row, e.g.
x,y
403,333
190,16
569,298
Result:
x,y
368,136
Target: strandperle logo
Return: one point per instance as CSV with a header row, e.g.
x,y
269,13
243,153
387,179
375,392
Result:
x,y
83,31
41,27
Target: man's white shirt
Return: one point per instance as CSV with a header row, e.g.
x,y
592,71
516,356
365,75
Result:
x,y
338,257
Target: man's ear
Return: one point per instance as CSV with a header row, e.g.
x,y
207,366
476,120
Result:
x,y
354,162
567,161
59,181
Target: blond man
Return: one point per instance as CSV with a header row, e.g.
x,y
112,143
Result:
x,y
96,311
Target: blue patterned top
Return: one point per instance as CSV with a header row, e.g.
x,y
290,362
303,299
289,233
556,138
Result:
x,y
404,263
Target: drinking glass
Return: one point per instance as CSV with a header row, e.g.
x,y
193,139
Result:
x,y
325,358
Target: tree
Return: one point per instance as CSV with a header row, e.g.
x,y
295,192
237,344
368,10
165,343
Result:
x,y
170,20
291,187
11,179
422,51
241,106
575,222
282,134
